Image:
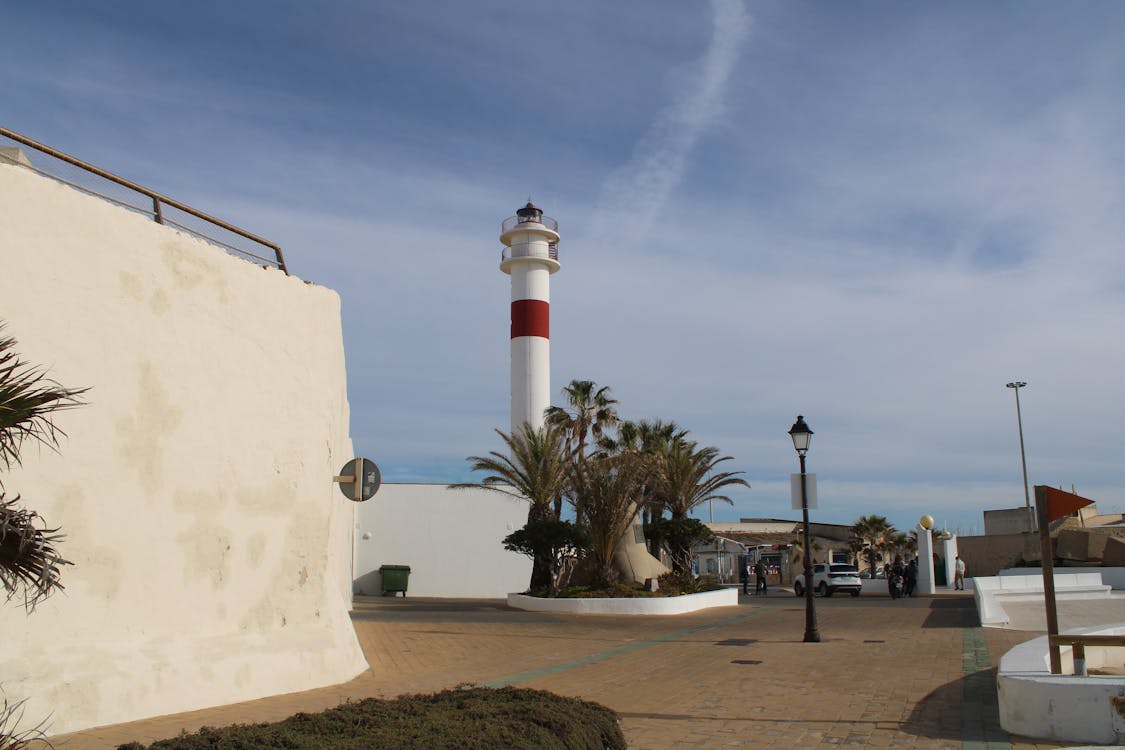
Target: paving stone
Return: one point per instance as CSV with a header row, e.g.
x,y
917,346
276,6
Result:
x,y
915,673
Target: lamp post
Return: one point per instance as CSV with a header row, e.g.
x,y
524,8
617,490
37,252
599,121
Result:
x,y
801,435
1015,386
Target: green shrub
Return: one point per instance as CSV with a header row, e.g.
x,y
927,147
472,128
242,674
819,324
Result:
x,y
558,542
674,584
469,719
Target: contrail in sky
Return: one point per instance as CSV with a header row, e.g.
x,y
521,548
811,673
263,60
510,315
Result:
x,y
641,186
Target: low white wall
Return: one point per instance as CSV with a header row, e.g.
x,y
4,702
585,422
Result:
x,y
451,539
641,605
1113,577
210,546
990,592
1035,703
878,586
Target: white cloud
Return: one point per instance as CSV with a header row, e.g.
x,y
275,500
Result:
x,y
640,188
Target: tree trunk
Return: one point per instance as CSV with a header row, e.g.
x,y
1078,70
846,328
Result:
x,y
606,575
540,564
681,560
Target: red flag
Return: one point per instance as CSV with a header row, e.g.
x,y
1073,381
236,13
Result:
x,y
1059,503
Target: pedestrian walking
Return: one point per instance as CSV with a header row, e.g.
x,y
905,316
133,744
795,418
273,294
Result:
x,y
959,574
745,574
760,576
911,577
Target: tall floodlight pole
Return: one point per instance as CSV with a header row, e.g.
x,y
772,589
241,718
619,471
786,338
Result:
x,y
801,435
1015,386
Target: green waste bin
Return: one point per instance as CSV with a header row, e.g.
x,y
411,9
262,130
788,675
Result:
x,y
395,578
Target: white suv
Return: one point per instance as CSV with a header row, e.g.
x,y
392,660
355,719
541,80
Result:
x,y
828,579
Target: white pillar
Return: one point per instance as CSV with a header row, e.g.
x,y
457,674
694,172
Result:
x,y
530,256
925,562
949,552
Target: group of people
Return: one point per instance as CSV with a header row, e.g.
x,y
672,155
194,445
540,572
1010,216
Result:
x,y
758,571
901,579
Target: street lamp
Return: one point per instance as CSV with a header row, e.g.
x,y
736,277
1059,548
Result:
x,y
801,435
1023,456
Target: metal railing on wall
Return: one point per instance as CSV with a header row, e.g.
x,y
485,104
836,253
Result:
x,y
163,210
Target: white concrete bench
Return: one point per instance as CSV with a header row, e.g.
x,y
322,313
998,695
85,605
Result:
x,y
991,592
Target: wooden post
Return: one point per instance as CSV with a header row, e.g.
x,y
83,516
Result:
x,y
1048,555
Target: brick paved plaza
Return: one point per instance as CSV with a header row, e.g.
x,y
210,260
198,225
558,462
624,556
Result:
x,y
916,673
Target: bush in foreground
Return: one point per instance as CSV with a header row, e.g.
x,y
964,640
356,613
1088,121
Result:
x,y
469,719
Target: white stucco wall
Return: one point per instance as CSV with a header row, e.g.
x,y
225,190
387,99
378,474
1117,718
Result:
x,y
451,539
211,549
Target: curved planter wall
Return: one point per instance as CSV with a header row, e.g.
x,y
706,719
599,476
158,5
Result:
x,y
1035,703
652,605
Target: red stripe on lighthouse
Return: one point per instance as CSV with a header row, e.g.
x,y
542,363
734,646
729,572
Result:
x,y
531,317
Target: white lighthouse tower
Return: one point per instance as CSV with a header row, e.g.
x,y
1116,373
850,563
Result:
x,y
530,256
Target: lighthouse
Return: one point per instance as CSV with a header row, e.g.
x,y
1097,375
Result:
x,y
530,256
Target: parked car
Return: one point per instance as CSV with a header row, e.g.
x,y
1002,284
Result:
x,y
867,574
828,579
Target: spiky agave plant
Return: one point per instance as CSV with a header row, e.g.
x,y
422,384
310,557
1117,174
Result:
x,y
29,562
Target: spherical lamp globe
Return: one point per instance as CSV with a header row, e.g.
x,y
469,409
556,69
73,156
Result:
x,y
926,522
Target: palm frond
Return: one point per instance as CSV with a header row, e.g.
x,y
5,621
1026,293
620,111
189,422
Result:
x,y
29,561
11,717
28,398
536,466
687,476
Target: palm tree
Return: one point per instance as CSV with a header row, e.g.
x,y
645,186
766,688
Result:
x,y
876,535
647,439
29,560
591,412
899,542
686,477
605,492
536,468
645,436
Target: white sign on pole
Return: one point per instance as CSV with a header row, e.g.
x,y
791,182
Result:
x,y
795,490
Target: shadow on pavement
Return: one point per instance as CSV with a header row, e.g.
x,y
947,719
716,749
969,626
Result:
x,y
951,613
403,609
964,709
938,715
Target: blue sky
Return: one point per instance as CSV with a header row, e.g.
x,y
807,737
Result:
x,y
874,214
